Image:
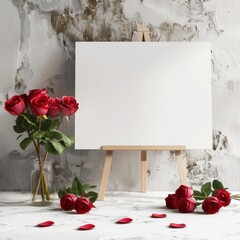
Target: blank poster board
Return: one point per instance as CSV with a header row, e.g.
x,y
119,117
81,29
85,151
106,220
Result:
x,y
143,93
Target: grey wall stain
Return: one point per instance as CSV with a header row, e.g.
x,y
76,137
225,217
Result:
x,y
25,22
201,164
176,32
98,22
24,73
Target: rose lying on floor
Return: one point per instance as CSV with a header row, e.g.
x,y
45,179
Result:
x,y
82,204
186,199
67,202
211,205
78,196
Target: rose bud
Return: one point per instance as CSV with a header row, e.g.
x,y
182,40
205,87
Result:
x,y
67,202
68,105
223,196
15,105
83,205
35,92
211,205
171,201
53,110
39,105
186,205
184,192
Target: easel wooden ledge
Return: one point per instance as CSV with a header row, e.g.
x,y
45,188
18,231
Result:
x,y
108,161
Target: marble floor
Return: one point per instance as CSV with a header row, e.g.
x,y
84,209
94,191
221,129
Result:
x,y
18,220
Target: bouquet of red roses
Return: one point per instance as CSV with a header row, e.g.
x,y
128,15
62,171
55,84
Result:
x,y
38,119
186,199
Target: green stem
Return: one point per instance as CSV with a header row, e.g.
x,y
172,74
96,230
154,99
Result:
x,y
38,151
42,179
40,162
39,158
41,174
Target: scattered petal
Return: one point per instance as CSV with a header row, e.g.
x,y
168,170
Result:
x,y
124,220
156,215
45,224
177,225
86,227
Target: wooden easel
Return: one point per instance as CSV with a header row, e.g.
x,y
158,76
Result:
x,y
108,161
142,34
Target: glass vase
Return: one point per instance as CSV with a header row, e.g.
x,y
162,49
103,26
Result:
x,y
42,183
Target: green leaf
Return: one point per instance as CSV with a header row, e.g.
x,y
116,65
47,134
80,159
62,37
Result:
x,y
54,147
74,187
25,122
18,129
206,188
198,195
49,135
85,187
25,142
57,134
37,134
78,189
46,125
93,186
79,186
92,196
67,141
30,118
61,193
69,190
217,184
50,124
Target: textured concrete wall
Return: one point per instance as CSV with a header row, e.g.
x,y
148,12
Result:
x,y
37,51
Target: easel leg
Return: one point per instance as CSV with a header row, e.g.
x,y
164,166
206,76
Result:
x,y
143,171
106,171
181,167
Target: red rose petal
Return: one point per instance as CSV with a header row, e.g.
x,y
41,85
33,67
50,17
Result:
x,y
86,226
45,224
124,220
156,215
177,225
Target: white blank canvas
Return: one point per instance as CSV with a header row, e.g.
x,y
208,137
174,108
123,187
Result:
x,y
143,93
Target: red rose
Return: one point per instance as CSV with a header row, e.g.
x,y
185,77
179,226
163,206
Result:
x,y
68,105
53,107
83,205
35,92
67,202
211,205
171,201
186,205
39,105
223,196
184,192
15,105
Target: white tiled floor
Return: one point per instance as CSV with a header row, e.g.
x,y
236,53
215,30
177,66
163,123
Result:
x,y
18,220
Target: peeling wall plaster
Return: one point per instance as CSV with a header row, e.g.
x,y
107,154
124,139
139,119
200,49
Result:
x,y
37,49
